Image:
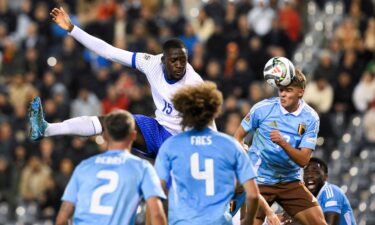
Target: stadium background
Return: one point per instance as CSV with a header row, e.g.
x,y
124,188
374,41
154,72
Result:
x,y
228,42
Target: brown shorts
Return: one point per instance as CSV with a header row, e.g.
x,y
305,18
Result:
x,y
293,196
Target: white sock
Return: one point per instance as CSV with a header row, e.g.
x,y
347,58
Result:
x,y
81,126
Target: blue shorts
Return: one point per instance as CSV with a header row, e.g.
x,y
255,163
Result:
x,y
153,133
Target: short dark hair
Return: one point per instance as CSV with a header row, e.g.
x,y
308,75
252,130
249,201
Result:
x,y
173,43
198,104
321,164
119,124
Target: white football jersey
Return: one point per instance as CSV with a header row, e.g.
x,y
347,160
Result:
x,y
152,67
162,90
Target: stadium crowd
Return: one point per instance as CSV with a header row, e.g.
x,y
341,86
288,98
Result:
x,y
228,42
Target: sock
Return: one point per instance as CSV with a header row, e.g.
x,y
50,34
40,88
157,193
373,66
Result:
x,y
81,126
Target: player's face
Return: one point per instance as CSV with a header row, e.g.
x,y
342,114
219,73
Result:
x,y
314,178
175,60
289,97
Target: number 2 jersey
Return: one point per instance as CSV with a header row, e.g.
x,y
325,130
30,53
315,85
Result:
x,y
107,188
203,167
299,129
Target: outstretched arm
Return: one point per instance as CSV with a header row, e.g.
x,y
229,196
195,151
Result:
x,y
252,201
239,135
100,47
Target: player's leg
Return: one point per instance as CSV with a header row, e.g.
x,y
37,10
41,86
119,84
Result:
x,y
298,202
311,216
80,126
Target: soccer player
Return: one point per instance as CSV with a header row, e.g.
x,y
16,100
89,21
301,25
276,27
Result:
x,y
334,203
203,164
165,72
107,188
285,132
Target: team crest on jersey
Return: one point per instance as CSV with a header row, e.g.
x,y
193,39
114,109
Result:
x,y
247,117
146,56
301,128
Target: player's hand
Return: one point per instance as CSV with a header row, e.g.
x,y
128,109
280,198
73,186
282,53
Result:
x,y
272,219
276,137
61,18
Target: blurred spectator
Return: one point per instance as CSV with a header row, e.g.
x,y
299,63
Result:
x,y
50,201
86,104
290,21
198,59
106,9
369,124
33,179
277,37
326,67
7,141
175,19
114,100
215,45
215,10
342,101
189,38
260,17
24,20
348,35
369,35
63,175
5,182
6,109
319,94
242,77
214,74
364,92
352,64
48,154
7,16
203,25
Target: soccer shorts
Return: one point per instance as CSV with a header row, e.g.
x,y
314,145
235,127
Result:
x,y
153,133
293,196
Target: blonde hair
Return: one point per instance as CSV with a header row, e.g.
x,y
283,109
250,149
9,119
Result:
x,y
299,80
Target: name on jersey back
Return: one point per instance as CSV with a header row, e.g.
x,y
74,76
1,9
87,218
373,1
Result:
x,y
110,160
200,140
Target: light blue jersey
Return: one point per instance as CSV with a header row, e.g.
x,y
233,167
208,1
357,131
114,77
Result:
x,y
332,199
299,129
203,167
107,188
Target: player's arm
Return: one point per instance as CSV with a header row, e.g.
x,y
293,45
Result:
x,y
65,213
165,189
332,218
239,135
156,211
252,201
300,156
100,47
272,218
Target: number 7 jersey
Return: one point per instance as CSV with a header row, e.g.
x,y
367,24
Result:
x,y
203,167
107,188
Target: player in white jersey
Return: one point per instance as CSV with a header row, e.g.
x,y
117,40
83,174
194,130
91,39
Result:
x,y
165,72
107,188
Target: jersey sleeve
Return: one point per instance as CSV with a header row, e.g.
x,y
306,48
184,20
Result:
x,y
71,190
310,136
148,64
244,168
331,204
102,48
251,120
151,186
162,163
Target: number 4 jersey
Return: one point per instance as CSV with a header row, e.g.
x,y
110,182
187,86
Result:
x,y
107,188
203,167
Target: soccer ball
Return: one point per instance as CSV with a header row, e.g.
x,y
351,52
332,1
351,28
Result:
x,y
279,71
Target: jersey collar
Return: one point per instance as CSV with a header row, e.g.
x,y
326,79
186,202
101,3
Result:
x,y
297,112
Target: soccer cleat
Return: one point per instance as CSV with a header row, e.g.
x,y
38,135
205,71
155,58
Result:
x,y
36,117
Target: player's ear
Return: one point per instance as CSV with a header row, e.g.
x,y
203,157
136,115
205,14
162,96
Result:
x,y
301,92
133,135
163,59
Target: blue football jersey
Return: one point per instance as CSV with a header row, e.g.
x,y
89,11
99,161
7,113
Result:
x,y
107,188
332,199
299,129
203,167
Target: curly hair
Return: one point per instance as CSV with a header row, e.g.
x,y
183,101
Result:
x,y
198,105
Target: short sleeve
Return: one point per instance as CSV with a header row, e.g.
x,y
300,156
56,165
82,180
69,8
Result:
x,y
310,136
251,120
71,190
244,168
162,163
332,204
151,186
